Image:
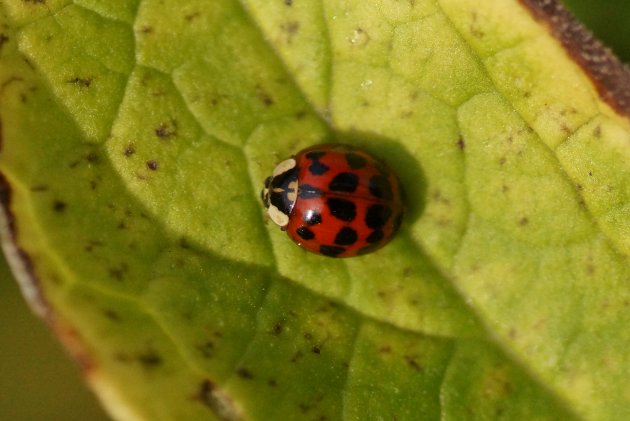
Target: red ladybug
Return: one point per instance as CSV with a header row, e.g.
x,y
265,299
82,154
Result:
x,y
335,200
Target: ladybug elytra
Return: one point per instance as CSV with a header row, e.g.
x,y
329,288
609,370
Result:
x,y
335,200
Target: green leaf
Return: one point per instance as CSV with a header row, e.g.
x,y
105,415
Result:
x,y
135,138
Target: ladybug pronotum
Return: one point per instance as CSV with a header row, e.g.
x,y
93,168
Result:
x,y
335,200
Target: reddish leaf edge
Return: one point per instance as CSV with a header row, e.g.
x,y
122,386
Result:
x,y
610,75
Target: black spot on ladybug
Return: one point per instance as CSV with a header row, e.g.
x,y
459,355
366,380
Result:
x,y
342,209
346,237
331,251
306,191
312,217
379,187
316,168
305,233
355,161
315,155
375,237
377,216
344,182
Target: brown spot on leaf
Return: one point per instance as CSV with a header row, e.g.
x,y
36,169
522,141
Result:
x,y
244,373
111,315
411,362
607,72
207,349
118,272
152,165
59,206
217,401
166,130
81,82
192,16
264,96
91,245
129,150
40,188
277,328
149,359
523,221
296,357
3,40
92,158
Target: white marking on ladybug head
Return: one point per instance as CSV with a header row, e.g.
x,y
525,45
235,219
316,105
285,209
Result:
x,y
284,166
292,191
277,216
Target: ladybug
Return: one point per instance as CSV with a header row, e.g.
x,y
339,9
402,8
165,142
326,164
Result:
x,y
335,200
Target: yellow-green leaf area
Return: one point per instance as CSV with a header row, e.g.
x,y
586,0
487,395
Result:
x,y
135,139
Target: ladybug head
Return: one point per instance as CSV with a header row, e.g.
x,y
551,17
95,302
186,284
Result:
x,y
280,192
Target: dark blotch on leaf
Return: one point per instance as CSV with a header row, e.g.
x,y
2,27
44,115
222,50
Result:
x,y
111,315
3,39
277,329
129,150
219,403
206,349
81,82
166,130
411,362
59,206
92,158
152,165
296,357
150,359
244,373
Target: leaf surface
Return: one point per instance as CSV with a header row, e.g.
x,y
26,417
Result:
x,y
136,136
